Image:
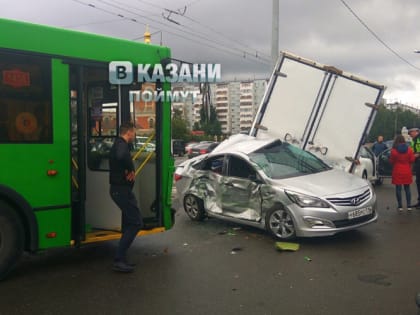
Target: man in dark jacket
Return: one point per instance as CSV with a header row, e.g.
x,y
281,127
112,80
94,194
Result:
x,y
415,145
121,179
379,146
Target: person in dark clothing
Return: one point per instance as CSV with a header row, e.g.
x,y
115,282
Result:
x,y
121,179
415,145
379,146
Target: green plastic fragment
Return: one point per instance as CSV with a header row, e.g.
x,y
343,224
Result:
x,y
287,246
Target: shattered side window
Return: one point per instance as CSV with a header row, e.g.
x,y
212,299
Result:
x,y
214,164
240,168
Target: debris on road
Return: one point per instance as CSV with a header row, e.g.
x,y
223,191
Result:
x,y
285,246
235,250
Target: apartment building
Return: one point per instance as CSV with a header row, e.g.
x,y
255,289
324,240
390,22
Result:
x,y
235,102
397,105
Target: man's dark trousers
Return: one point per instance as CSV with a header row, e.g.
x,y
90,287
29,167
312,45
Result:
x,y
131,220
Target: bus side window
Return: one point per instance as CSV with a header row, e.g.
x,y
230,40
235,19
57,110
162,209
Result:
x,y
25,99
102,101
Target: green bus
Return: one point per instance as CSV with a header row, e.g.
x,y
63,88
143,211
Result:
x,y
59,115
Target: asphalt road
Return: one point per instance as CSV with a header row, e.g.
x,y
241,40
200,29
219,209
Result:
x,y
218,268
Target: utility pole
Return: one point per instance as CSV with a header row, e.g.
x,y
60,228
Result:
x,y
206,103
275,32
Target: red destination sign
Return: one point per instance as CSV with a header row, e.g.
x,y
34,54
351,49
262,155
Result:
x,y
16,78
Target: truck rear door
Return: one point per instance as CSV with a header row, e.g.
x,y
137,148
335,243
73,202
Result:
x,y
319,108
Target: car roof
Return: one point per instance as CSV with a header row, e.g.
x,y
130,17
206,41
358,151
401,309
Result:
x,y
240,143
204,145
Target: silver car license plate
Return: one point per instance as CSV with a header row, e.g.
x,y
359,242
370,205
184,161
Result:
x,y
359,212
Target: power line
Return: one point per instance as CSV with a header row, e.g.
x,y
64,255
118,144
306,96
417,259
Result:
x,y
203,37
160,7
377,37
107,11
222,49
187,32
257,53
92,23
221,34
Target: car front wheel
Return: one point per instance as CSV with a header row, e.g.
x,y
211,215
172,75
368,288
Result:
x,y
280,224
194,208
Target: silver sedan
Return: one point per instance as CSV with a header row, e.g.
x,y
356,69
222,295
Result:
x,y
275,186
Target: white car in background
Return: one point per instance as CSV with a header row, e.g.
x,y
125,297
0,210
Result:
x,y
366,165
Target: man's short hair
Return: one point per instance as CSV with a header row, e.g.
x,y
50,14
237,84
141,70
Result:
x,y
126,127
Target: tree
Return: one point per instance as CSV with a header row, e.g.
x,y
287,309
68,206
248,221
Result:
x,y
389,123
179,126
211,127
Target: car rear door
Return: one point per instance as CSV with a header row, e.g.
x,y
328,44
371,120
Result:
x,y
384,166
318,108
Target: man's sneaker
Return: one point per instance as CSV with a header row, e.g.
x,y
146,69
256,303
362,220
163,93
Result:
x,y
400,209
122,266
409,209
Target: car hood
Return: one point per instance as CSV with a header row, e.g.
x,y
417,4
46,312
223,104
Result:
x,y
324,184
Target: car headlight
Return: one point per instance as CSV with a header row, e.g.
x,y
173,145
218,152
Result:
x,y
306,201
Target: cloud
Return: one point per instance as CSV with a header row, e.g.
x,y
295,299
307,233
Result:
x,y
370,38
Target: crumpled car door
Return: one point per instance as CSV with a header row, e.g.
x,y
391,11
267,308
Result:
x,y
240,195
206,185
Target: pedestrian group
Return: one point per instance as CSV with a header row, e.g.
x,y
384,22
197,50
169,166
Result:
x,y
403,156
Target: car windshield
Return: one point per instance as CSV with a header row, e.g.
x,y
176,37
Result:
x,y
282,160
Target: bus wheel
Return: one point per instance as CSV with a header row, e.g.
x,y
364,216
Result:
x,y
194,208
11,239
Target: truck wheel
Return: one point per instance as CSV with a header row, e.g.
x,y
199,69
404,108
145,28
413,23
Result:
x,y
11,239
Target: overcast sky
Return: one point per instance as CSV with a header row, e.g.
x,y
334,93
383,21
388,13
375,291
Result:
x,y
374,39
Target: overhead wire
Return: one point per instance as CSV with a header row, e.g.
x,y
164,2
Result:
x,y
224,49
107,11
92,23
377,37
257,52
203,36
229,38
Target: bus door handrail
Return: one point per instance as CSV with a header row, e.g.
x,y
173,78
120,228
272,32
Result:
x,y
143,147
148,157
73,178
141,166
